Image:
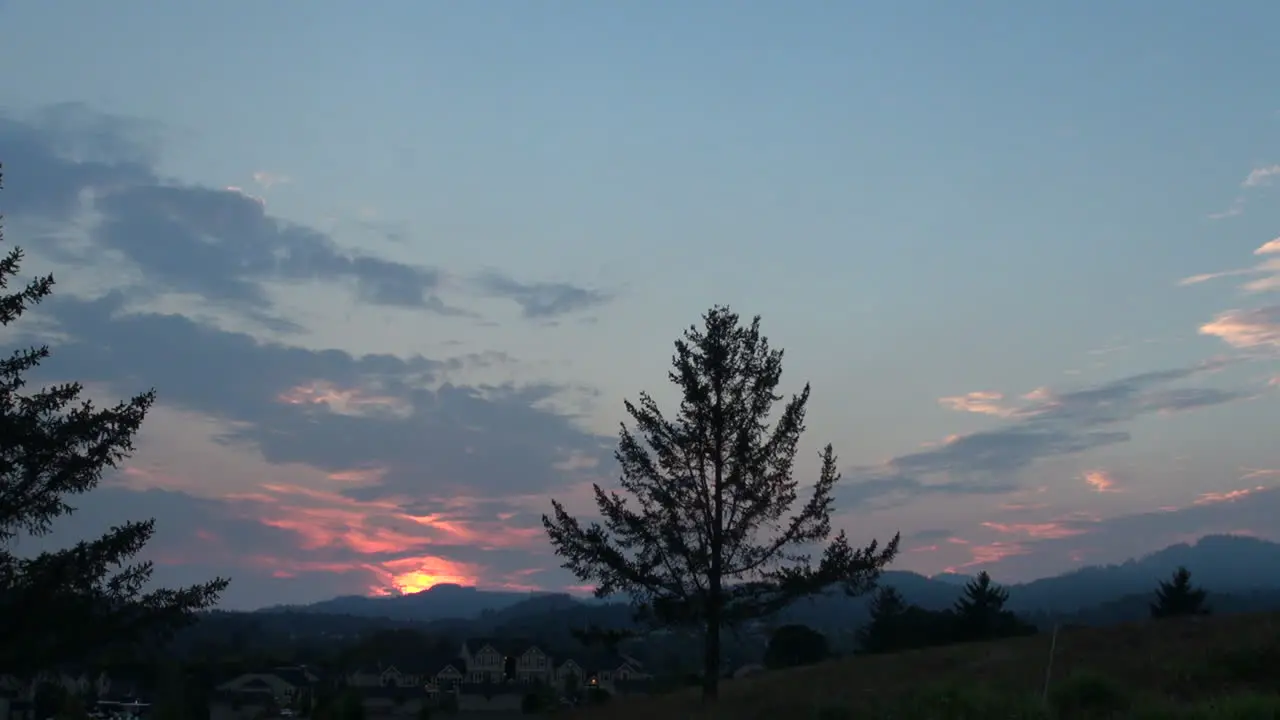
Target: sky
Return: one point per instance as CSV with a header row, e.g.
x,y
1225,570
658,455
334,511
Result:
x,y
392,268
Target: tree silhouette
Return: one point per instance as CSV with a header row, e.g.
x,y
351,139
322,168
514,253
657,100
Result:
x,y
87,598
708,541
883,631
980,615
795,645
1177,597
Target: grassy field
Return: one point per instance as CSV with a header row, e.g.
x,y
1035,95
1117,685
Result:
x,y
1217,667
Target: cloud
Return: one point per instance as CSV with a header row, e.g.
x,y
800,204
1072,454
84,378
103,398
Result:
x,y
1235,209
1247,329
1100,481
1260,176
981,402
1268,269
340,471
1073,542
542,300
70,165
1044,424
330,409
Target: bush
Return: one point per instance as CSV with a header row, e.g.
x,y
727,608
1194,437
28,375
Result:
x,y
1088,695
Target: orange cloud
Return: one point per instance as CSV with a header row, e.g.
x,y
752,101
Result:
x,y
1269,268
345,401
1101,481
1211,498
1039,531
329,521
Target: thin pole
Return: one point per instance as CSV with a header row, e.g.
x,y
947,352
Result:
x,y
1048,671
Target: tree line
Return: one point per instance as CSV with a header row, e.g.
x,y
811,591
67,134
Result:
x,y
979,614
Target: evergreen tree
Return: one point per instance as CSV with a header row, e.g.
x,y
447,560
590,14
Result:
x,y
710,539
883,631
980,614
87,598
1177,597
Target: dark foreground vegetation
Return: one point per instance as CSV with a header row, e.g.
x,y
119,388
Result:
x,y
1186,667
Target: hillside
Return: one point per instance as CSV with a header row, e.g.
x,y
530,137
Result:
x,y
1166,662
1222,563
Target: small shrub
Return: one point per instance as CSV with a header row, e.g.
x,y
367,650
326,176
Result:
x,y
1086,695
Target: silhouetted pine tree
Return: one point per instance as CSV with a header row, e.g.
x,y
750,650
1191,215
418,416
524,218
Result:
x,y
979,614
883,632
1179,598
707,536
66,605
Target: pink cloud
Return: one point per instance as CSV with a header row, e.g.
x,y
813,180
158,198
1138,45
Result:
x,y
1247,329
1211,498
983,555
1039,531
1100,481
345,401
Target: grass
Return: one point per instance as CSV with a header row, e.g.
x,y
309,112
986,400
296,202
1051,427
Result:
x,y
1198,668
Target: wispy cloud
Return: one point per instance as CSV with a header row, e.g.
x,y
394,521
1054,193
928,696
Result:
x,y
1269,268
1247,329
1260,176
980,402
1235,209
1047,423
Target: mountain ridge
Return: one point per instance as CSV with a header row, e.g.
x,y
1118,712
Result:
x,y
1224,563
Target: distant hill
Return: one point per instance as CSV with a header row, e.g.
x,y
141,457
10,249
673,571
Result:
x,y
436,603
1224,564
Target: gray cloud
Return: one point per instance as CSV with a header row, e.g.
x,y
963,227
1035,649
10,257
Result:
x,y
430,441
1049,425
542,300
218,243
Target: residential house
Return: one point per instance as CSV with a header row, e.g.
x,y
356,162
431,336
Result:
x,y
497,661
281,686
615,672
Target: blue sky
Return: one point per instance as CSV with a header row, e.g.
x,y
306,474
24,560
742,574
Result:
x,y
923,200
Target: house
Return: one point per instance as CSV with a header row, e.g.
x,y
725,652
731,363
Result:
x,y
281,685
615,672
497,661
390,676
444,675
